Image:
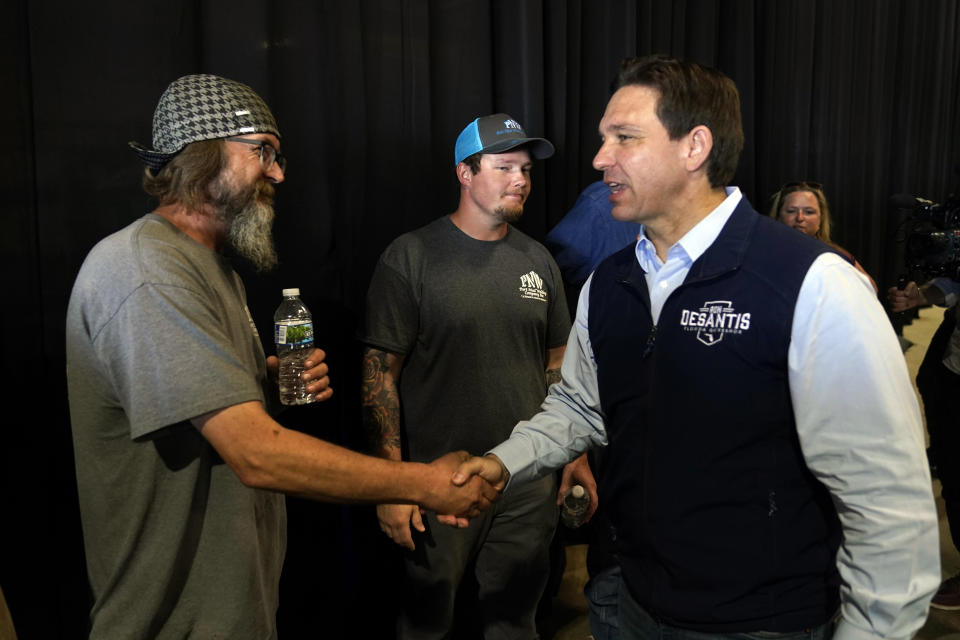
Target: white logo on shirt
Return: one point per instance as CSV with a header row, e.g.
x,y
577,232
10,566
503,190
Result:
x,y
714,320
531,287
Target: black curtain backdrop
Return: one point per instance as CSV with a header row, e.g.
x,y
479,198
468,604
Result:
x,y
860,95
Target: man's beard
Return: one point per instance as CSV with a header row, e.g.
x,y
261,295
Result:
x,y
509,214
248,215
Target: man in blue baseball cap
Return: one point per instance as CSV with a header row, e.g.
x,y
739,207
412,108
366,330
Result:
x,y
466,327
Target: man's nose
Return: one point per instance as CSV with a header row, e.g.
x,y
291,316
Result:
x,y
275,174
602,160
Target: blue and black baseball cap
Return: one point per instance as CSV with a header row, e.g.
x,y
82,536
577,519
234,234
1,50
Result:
x,y
496,134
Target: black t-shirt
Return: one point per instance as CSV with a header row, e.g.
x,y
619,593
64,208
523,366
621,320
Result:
x,y
473,320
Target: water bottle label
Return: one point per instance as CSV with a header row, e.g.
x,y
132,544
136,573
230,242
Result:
x,y
294,333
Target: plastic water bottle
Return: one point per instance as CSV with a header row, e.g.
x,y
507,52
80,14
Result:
x,y
576,503
293,333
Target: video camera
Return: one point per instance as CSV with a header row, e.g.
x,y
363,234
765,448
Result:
x,y
931,233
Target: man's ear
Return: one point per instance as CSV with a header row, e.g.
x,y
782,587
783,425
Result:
x,y
699,146
464,174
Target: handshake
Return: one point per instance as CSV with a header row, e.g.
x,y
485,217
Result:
x,y
460,487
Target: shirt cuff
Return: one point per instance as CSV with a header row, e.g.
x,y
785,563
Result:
x,y
512,458
847,631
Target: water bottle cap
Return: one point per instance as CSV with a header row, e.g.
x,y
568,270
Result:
x,y
290,292
577,491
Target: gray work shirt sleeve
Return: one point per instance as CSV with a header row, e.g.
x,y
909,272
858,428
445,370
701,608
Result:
x,y
570,420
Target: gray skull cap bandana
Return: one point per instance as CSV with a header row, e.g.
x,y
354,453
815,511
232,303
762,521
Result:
x,y
203,107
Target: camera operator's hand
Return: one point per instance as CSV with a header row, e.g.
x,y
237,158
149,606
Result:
x,y
907,298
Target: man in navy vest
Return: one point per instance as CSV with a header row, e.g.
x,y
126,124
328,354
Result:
x,y
765,468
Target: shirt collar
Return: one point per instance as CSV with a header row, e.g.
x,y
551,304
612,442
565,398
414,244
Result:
x,y
696,241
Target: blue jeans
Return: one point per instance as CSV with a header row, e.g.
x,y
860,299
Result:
x,y
636,624
602,592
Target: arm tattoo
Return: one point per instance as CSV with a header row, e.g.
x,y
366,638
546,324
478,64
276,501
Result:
x,y
380,403
553,376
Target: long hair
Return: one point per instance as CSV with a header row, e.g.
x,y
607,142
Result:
x,y
187,177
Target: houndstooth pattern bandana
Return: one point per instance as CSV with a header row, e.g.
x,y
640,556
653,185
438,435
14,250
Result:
x,y
203,107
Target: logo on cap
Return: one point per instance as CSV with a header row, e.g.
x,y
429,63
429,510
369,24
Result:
x,y
497,133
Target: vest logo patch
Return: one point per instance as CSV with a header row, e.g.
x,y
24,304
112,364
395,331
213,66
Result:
x,y
531,287
714,320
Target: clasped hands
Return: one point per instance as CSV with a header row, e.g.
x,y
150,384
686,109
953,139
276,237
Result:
x,y
491,469
460,486
468,486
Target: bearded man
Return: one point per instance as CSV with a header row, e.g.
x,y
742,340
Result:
x,y
179,464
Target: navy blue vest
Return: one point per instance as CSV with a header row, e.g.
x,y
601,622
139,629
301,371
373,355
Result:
x,y
720,526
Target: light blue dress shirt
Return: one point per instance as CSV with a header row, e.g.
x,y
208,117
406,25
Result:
x,y
664,277
857,419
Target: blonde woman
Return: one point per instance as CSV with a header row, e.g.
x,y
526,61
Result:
x,y
803,206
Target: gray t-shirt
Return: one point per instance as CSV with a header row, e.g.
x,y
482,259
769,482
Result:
x,y
473,320
158,332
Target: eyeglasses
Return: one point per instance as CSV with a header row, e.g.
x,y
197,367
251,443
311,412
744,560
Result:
x,y
268,153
